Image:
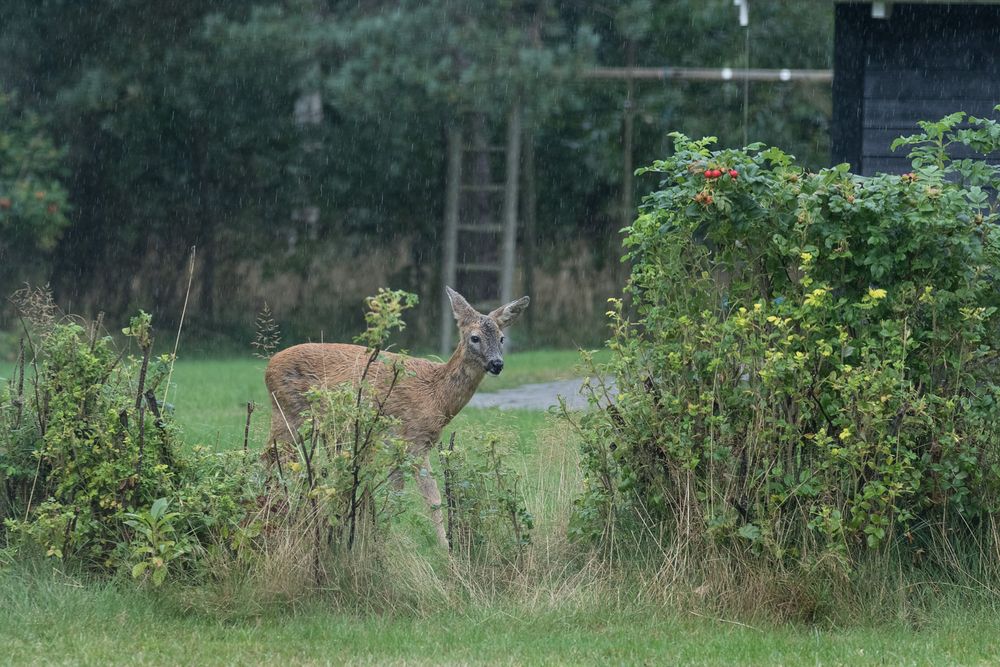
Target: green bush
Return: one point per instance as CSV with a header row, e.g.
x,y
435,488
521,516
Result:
x,y
487,519
77,455
347,447
811,366
87,458
33,200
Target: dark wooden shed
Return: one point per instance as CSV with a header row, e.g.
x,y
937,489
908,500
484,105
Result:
x,y
899,62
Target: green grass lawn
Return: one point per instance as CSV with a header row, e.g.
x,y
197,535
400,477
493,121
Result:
x,y
54,619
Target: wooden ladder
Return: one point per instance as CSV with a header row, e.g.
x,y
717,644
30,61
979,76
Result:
x,y
480,218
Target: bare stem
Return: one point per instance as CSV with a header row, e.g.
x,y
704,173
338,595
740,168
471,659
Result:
x,y
246,428
180,325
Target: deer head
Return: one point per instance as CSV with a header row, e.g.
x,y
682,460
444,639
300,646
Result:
x,y
481,336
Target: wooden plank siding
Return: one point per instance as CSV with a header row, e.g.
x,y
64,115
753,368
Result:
x,y
921,63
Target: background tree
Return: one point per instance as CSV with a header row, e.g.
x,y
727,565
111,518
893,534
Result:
x,y
32,196
180,127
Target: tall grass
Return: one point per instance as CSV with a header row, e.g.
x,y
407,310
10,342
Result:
x,y
409,576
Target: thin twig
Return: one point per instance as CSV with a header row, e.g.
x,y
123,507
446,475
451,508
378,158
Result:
x,y
31,494
288,426
180,325
449,498
42,409
142,446
146,349
95,330
246,428
20,384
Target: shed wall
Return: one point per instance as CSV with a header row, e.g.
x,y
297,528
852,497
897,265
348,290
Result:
x,y
923,62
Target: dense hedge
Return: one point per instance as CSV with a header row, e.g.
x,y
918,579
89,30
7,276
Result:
x,y
811,363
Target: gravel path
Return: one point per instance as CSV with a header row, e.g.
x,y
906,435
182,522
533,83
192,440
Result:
x,y
538,396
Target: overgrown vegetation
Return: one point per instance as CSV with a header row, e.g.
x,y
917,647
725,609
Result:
x,y
90,463
810,381
486,516
96,475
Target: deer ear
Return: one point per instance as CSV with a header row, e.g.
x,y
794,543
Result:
x,y
460,307
504,316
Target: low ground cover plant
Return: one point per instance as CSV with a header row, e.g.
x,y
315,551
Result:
x,y
807,371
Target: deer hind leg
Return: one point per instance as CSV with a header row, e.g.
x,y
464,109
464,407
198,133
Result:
x,y
285,421
429,490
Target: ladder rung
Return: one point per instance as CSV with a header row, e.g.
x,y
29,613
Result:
x,y
483,229
479,267
492,187
488,148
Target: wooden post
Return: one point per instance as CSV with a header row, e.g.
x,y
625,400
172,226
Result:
x,y
510,199
450,245
530,215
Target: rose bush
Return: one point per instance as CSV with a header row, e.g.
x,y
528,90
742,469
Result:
x,y
809,362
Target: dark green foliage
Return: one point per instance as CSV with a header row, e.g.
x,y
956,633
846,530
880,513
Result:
x,y
487,520
87,460
83,434
180,129
812,367
33,200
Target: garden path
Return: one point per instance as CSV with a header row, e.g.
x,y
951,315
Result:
x,y
535,396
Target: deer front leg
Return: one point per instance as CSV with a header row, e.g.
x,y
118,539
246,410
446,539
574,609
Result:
x,y
429,490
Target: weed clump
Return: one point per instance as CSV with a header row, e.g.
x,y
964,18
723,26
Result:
x,y
95,474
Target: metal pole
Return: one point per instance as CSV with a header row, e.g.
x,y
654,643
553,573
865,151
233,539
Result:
x,y
628,122
510,200
449,265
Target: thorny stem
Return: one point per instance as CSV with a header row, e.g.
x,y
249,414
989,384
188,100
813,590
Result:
x,y
355,465
358,444
515,524
277,458
448,496
146,349
142,445
246,428
42,408
20,384
154,408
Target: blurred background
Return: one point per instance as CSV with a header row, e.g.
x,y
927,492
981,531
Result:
x,y
315,150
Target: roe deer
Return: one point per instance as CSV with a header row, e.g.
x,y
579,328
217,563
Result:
x,y
424,399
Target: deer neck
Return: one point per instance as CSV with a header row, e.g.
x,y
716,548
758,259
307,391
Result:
x,y
459,380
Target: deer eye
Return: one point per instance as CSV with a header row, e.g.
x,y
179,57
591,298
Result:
x,y
501,340
475,339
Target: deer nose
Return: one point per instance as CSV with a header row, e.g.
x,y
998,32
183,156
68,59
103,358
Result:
x,y
495,366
